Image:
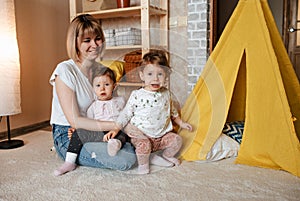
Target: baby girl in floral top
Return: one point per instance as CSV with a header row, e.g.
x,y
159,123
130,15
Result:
x,y
150,109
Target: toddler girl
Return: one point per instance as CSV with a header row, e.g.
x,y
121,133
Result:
x,y
150,109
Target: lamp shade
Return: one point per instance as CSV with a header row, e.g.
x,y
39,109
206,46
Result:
x,y
10,100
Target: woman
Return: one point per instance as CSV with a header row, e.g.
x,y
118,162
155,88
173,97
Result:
x,y
73,94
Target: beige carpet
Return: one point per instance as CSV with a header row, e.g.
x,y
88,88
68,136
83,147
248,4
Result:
x,y
27,174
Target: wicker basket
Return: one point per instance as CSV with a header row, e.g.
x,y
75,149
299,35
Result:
x,y
132,62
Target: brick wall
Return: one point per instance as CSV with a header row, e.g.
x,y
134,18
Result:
x,y
198,39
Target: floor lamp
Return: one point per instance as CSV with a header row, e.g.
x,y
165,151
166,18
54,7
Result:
x,y
9,143
10,99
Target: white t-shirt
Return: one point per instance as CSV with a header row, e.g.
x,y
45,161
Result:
x,y
106,110
150,111
71,75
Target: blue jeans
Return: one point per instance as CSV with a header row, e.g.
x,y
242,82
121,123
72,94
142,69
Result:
x,y
94,154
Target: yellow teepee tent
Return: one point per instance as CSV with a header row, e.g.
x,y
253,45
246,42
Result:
x,y
249,78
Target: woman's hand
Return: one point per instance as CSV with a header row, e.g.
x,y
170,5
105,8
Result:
x,y
133,131
70,132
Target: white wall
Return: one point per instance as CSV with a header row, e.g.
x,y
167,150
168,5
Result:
x,y
41,31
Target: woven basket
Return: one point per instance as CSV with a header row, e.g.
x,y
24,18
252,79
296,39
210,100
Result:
x,y
132,60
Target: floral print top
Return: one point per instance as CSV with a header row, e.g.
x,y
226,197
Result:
x,y
150,111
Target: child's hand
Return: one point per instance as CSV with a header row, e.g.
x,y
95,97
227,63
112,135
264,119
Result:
x,y
187,126
111,134
70,132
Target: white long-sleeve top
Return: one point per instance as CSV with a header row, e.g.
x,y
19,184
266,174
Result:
x,y
150,111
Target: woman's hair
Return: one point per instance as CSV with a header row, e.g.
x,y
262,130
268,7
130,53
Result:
x,y
156,57
80,25
104,71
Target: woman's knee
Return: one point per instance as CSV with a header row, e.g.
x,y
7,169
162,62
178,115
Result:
x,y
60,140
94,154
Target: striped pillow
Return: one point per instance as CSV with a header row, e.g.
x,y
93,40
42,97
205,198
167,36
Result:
x,y
234,130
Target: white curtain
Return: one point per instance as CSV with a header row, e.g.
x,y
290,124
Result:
x,y
10,100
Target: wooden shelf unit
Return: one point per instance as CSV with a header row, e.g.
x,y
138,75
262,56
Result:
x,y
122,12
144,13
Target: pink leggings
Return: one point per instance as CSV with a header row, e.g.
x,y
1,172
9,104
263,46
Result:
x,y
170,143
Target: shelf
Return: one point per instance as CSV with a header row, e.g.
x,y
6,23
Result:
x,y
123,47
132,47
125,12
130,84
141,13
